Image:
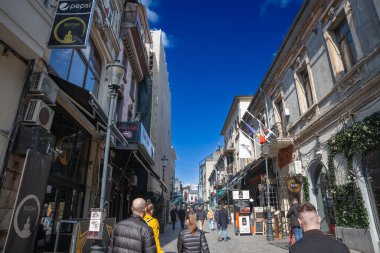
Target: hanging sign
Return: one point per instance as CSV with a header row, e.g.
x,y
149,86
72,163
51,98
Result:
x,y
294,186
240,195
72,22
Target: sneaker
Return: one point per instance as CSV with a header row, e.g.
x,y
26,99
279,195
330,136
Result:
x,y
220,239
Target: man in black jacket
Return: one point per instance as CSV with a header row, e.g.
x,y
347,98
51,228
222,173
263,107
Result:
x,y
182,216
173,216
294,223
201,216
223,221
313,240
133,234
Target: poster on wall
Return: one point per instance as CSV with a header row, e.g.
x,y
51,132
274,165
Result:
x,y
72,23
244,225
26,217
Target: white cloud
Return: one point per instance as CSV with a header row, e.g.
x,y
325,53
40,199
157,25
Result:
x,y
276,3
165,40
152,15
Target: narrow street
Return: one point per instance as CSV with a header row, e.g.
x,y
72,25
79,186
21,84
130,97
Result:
x,y
241,244
237,244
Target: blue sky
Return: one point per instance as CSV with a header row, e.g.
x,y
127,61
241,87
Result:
x,y
215,50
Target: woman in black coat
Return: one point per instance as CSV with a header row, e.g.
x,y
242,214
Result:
x,y
192,239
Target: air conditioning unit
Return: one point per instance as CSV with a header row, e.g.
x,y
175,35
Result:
x,y
39,113
42,85
295,168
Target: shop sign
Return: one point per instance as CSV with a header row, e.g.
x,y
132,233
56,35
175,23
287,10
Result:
x,y
294,186
240,195
130,131
72,23
27,210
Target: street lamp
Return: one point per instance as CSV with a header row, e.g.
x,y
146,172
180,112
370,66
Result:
x,y
115,72
265,148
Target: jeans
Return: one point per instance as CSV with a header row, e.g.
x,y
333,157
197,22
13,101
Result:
x,y
297,231
223,231
200,224
182,223
211,224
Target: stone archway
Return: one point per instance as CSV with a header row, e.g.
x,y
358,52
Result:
x,y
321,189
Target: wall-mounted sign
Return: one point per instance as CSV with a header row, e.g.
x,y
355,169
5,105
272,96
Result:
x,y
240,195
294,186
72,23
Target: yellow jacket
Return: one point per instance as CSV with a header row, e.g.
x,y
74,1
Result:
x,y
153,223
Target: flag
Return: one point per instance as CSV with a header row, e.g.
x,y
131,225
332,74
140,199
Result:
x,y
250,128
268,133
262,139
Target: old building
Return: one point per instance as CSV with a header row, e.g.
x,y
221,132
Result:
x,y
206,168
56,105
321,90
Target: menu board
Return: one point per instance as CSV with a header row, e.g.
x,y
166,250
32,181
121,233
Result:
x,y
244,224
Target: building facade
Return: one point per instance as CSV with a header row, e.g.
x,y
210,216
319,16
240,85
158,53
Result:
x,y
206,168
320,91
67,130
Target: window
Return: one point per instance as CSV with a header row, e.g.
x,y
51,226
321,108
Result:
x,y
306,88
132,89
345,45
81,67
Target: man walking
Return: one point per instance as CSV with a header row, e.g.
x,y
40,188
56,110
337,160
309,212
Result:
x,y
182,216
216,216
294,223
313,240
223,223
201,216
133,234
173,216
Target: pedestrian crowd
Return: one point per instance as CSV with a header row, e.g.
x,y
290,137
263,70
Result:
x,y
140,232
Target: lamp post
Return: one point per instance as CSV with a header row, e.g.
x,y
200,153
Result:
x,y
265,148
164,161
115,73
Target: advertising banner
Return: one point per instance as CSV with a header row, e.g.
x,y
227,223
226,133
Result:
x,y
72,23
26,217
244,224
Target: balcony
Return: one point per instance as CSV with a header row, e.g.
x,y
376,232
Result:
x,y
282,141
135,32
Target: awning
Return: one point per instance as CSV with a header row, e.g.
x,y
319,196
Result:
x,y
88,105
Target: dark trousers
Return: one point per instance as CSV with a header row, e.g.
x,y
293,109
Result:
x,y
182,223
173,223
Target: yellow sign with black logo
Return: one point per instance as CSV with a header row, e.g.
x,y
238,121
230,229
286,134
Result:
x,y
294,186
72,22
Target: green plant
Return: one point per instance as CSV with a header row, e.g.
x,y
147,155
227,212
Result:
x,y
305,186
362,137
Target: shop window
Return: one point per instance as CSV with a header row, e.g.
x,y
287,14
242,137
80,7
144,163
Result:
x,y
81,67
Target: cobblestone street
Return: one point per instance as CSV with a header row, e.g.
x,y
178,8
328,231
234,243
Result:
x,y
247,243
